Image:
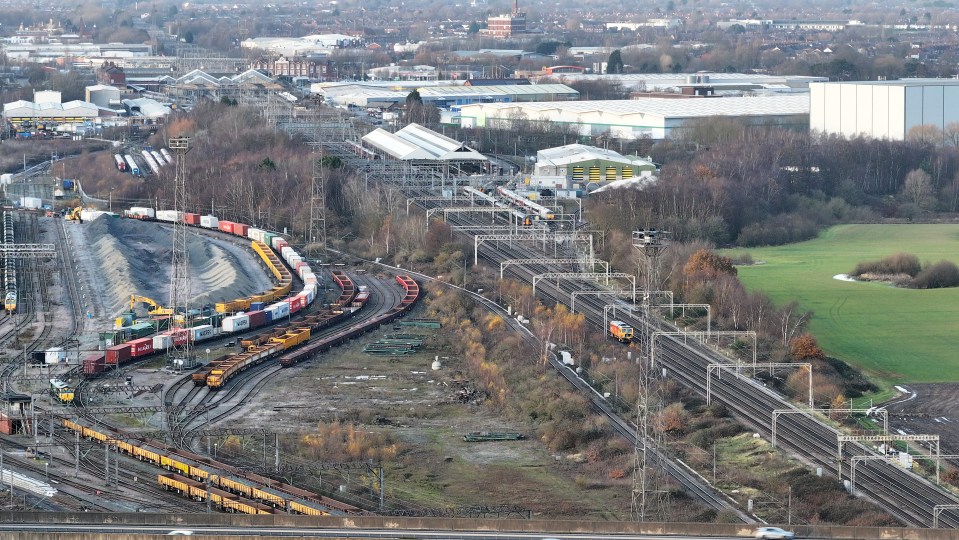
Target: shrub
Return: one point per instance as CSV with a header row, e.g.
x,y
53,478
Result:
x,y
940,275
899,263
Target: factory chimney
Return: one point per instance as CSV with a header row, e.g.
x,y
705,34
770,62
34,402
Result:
x,y
515,7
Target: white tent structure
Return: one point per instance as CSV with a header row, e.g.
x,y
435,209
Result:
x,y
415,142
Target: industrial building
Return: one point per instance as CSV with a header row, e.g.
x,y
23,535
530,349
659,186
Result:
x,y
882,109
361,95
657,118
47,109
415,142
103,95
574,169
720,83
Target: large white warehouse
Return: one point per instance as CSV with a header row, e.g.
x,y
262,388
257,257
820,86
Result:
x,y
882,109
657,118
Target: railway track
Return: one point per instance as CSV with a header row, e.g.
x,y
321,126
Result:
x,y
905,495
245,386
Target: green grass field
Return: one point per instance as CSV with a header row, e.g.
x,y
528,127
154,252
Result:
x,y
895,335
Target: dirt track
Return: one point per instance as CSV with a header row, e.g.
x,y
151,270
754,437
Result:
x,y
934,410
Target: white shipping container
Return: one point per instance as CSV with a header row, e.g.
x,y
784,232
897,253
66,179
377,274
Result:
x,y
31,202
142,211
286,251
279,310
169,215
236,323
275,242
201,332
162,341
210,222
55,355
254,234
310,295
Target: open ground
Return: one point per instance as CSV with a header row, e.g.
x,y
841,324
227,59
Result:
x,y
896,335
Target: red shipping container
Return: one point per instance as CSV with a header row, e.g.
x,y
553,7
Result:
x,y
294,305
191,219
299,265
226,226
257,318
280,244
180,337
240,229
118,354
141,347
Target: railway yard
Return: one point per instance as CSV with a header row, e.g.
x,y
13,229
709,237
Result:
x,y
101,406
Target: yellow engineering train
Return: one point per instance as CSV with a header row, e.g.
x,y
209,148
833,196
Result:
x,y
251,486
282,274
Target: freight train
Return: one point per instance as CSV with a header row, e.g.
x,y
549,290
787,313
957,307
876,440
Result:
x,y
132,164
409,300
240,491
267,345
263,309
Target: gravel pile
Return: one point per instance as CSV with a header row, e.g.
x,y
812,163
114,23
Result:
x,y
134,257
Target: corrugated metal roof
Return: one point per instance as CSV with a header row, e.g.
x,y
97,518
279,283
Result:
x,y
576,153
417,142
501,90
784,104
900,82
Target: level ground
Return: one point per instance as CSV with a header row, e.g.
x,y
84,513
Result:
x,y
896,335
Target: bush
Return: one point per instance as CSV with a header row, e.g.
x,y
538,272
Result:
x,y
940,275
900,263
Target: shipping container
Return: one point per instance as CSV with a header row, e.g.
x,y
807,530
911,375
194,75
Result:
x,y
169,215
236,323
31,202
257,318
225,226
279,310
142,329
268,238
240,229
162,342
257,306
191,219
118,354
69,185
254,234
199,333
210,222
55,355
141,347
141,212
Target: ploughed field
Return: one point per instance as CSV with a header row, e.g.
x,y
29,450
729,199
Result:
x,y
897,335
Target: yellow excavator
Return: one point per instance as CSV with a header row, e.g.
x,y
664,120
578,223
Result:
x,y
155,309
74,214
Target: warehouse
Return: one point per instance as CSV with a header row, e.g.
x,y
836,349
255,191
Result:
x,y
882,109
573,169
27,113
360,95
657,118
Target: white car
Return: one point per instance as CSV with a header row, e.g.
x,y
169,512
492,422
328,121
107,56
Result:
x,y
773,533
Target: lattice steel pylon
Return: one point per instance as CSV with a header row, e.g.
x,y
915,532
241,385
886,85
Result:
x,y
316,247
180,353
650,495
